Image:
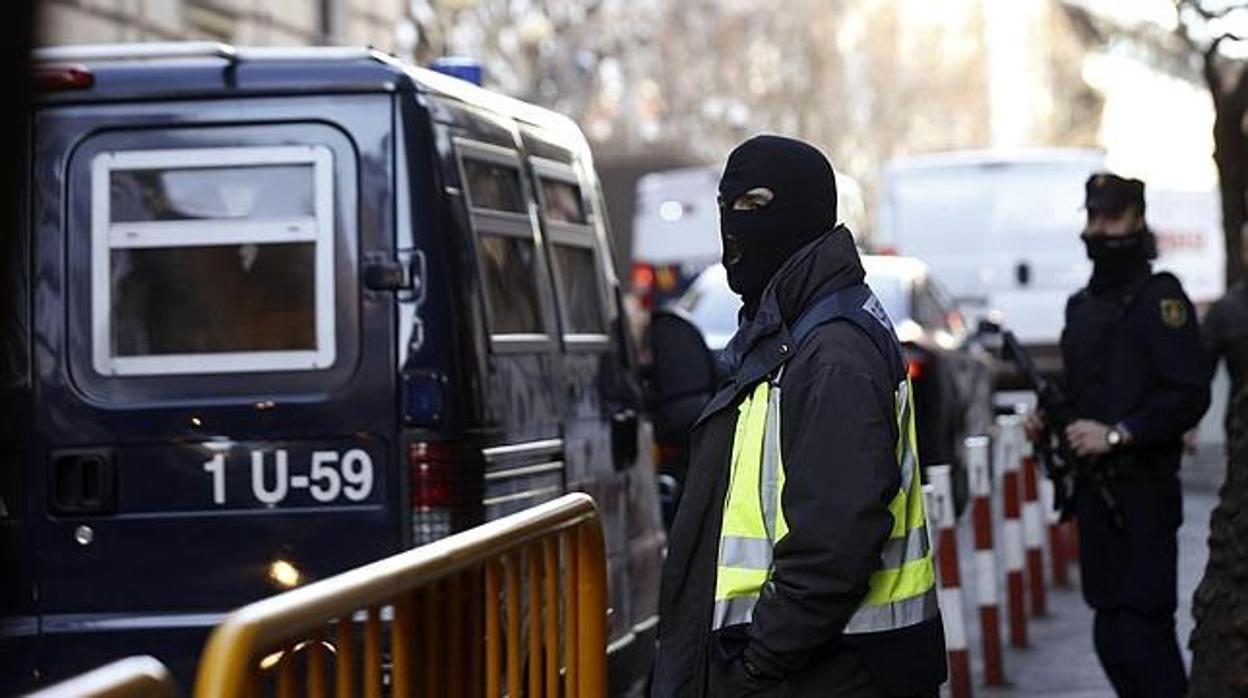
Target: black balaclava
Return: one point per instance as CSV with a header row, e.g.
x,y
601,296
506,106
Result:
x,y
757,242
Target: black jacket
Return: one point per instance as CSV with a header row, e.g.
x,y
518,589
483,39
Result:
x,y
1132,353
838,435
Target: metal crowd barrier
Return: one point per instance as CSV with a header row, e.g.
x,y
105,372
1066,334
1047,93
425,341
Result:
x,y
132,677
444,619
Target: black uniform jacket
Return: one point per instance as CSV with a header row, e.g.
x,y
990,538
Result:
x,y
838,434
1133,354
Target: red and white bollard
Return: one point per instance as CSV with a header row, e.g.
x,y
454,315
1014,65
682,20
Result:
x,y
942,514
1058,556
980,480
1033,530
1009,428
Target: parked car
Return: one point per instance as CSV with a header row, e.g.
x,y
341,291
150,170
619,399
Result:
x,y
297,307
950,372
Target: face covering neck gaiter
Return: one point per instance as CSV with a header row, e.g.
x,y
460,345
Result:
x,y
1117,257
803,206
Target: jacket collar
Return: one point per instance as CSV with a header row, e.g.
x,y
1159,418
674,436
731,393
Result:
x,y
763,342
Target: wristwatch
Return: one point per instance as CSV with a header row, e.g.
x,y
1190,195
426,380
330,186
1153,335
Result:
x,y
1114,437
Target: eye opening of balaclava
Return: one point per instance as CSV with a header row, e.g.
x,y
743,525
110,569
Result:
x,y
760,236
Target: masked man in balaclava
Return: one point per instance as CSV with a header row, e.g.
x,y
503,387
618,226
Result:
x,y
1137,378
799,562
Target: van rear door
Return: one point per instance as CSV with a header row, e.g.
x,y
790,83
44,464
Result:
x,y
215,413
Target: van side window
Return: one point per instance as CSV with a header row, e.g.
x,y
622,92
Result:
x,y
212,260
507,262
507,251
561,201
493,185
573,251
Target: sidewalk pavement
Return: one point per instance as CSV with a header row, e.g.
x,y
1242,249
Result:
x,y
1060,660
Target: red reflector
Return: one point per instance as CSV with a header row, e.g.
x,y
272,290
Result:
x,y
914,367
643,277
432,466
54,78
643,284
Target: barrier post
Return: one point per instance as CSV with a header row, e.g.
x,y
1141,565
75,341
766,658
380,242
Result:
x,y
943,515
1033,530
1058,560
1007,462
980,480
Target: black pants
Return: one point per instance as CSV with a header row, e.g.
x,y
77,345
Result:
x,y
1129,576
1140,654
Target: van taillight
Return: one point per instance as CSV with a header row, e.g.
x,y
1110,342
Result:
x,y
643,283
54,78
446,488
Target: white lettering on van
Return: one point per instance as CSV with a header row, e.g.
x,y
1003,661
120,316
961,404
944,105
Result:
x,y
281,480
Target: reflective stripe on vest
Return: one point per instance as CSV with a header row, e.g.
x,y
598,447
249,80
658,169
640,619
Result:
x,y
902,592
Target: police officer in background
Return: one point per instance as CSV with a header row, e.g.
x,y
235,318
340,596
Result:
x,y
1137,378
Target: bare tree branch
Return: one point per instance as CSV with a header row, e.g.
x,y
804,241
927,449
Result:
x,y
1207,14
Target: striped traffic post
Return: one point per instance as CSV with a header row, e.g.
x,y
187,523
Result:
x,y
1033,531
980,481
943,515
1058,559
1007,462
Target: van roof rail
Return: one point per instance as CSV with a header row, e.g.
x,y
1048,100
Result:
x,y
135,51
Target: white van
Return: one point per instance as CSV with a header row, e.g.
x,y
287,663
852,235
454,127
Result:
x,y
999,228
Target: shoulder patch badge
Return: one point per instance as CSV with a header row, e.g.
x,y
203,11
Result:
x,y
1173,312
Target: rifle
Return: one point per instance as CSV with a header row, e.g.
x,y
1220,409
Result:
x,y
1060,463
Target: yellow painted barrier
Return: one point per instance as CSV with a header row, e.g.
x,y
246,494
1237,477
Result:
x,y
132,677
518,603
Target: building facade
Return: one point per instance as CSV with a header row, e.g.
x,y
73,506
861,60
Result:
x,y
376,23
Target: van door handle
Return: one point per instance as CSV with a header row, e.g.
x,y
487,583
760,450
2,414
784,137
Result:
x,y
387,275
83,483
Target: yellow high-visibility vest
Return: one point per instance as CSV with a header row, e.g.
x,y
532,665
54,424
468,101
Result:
x,y
901,593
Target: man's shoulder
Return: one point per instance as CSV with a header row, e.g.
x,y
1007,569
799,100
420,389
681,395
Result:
x,y
841,344
1164,283
1162,298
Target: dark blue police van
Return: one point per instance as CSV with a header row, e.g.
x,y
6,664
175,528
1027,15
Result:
x,y
275,313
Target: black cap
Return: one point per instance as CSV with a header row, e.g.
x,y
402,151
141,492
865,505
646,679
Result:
x,y
1106,192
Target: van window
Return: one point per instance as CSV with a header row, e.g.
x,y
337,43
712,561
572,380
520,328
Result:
x,y
561,201
212,260
493,185
507,249
508,263
573,252
579,289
